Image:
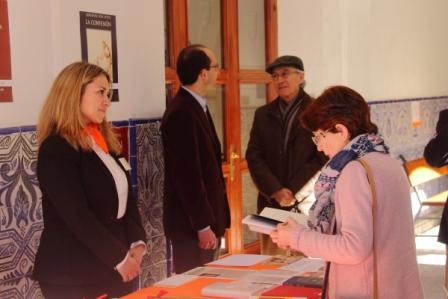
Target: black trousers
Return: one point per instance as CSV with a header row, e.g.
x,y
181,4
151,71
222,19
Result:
x,y
187,254
113,290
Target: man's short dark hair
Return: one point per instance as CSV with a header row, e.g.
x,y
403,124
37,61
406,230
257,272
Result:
x,y
190,62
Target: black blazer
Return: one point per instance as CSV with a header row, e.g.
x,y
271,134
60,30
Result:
x,y
436,153
272,167
82,240
195,195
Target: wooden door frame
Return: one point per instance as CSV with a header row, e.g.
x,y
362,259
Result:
x,y
230,78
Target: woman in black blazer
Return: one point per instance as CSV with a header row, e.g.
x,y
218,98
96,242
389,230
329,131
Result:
x,y
93,240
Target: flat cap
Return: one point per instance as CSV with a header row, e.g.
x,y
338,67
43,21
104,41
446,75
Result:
x,y
286,60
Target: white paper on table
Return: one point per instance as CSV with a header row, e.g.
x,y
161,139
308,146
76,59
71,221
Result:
x,y
241,260
305,265
175,281
219,272
269,276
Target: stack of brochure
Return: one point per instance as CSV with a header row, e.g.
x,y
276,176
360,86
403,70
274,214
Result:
x,y
310,273
252,283
246,282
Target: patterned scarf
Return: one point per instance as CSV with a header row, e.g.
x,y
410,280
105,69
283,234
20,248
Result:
x,y
322,210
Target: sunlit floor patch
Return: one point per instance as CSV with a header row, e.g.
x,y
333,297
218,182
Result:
x,y
431,259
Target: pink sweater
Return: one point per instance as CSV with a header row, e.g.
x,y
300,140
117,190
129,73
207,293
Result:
x,y
350,250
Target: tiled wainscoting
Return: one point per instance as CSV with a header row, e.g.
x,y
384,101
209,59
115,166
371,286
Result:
x,y
394,122
20,212
20,199
21,221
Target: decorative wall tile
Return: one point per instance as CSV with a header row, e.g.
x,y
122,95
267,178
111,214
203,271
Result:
x,y
25,288
20,212
150,175
148,277
9,151
394,122
154,265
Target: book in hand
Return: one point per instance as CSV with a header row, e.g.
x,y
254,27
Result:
x,y
268,219
282,215
260,224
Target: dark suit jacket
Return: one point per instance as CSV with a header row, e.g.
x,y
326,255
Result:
x,y
272,167
195,195
82,240
436,154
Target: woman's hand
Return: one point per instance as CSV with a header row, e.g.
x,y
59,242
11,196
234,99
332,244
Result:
x,y
284,234
137,253
130,268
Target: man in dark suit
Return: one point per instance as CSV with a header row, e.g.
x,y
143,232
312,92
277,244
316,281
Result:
x,y
436,154
196,211
281,156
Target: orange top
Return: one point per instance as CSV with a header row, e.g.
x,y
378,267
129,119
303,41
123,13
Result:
x,y
94,131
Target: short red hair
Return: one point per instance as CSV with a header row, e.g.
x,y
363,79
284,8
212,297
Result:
x,y
339,105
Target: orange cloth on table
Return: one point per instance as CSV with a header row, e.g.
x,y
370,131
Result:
x,y
94,131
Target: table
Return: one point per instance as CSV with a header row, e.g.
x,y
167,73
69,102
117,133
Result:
x,y
193,288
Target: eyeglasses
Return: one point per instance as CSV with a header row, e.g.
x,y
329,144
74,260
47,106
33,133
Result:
x,y
317,138
214,66
283,75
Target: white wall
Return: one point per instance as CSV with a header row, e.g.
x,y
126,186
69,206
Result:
x,y
45,36
384,49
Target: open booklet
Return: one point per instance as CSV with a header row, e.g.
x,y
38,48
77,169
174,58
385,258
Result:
x,y
268,219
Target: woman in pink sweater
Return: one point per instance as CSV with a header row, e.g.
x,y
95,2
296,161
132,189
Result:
x,y
340,227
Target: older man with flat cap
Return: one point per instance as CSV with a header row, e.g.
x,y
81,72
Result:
x,y
281,156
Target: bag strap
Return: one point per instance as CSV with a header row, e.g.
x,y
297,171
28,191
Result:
x,y
324,294
371,181
374,210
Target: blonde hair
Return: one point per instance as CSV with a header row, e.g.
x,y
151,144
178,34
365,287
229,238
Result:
x,y
61,111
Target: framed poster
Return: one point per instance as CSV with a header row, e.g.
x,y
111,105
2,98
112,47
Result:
x,y
99,44
5,55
